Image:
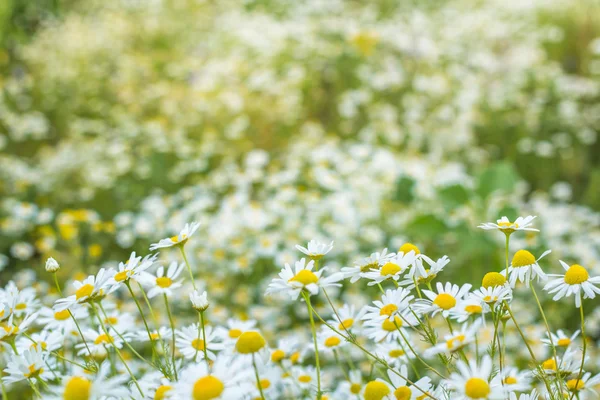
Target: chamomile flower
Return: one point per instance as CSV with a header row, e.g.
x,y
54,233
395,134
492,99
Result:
x,y
455,341
132,268
388,328
154,386
395,353
469,308
363,267
84,386
94,287
420,274
234,329
30,364
575,281
11,328
192,344
408,248
444,300
228,379
345,318
392,269
199,300
305,377
392,303
584,386
569,363
534,395
493,295
350,388
472,381
46,340
378,389
560,339
525,268
161,283
302,278
514,380
98,342
315,250
328,341
180,239
25,302
60,320
404,391
504,225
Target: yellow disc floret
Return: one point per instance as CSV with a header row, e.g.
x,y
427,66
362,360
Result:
x,y
477,388
355,388
564,342
390,326
121,276
492,279
576,275
388,309
346,324
522,258
575,385
332,341
160,392
61,315
84,291
234,333
250,342
549,364
403,393
277,355
207,388
163,282
376,390
407,247
198,344
389,269
305,277
444,301
77,388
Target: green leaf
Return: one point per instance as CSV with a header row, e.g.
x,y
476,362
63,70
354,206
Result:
x,y
453,196
404,188
501,176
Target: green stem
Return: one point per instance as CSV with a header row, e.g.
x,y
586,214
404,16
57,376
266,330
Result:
x,y
173,335
189,268
139,307
203,329
57,285
314,334
258,384
82,337
584,351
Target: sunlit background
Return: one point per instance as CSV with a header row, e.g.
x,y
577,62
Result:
x,y
273,122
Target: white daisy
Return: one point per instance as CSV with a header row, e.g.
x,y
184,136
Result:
x,y
191,343
363,267
302,278
443,301
392,303
575,281
584,386
234,329
98,343
470,307
471,381
392,269
395,353
514,380
493,295
404,391
504,225
11,328
46,340
329,341
94,287
82,385
315,249
60,320
534,395
180,239
525,268
30,364
455,341
346,317
161,283
132,268
350,388
420,274
560,339
199,300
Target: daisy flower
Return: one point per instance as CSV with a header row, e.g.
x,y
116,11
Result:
x,y
408,248
234,329
10,329
534,395
363,267
575,280
199,300
584,386
392,303
443,301
504,225
315,250
394,353
161,283
192,345
420,274
514,380
229,379
559,339
403,391
350,388
60,320
302,278
82,385
455,341
471,381
31,364
98,342
154,386
345,317
132,268
388,328
46,340
568,364
525,268
392,269
305,377
25,302
493,295
180,239
287,347
94,287
470,307
328,341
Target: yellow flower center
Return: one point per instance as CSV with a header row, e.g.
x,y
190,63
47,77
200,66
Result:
x,y
164,282
250,342
84,291
445,301
455,342
305,277
332,341
160,392
62,315
522,258
549,364
265,383
104,338
198,344
389,269
477,388
510,380
78,388
492,279
403,393
346,324
207,388
304,378
396,353
564,342
33,371
376,390
390,326
154,336
21,306
355,388
121,276
576,275
473,309
176,238
407,247
575,385
277,355
234,333
295,357
388,310
507,226
111,320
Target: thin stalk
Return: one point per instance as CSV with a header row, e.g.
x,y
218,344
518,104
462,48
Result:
x,y
203,329
584,351
258,383
173,334
187,263
314,334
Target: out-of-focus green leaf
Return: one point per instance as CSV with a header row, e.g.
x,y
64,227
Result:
x,y
453,196
427,225
501,176
404,189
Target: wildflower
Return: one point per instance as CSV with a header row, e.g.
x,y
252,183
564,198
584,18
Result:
x,y
444,300
363,267
504,225
92,288
492,279
408,248
199,301
455,341
180,239
393,303
377,390
161,283
11,328
31,364
525,268
315,250
514,380
469,307
575,281
302,278
329,341
493,295
471,381
395,353
132,268
191,344
345,318
45,340
392,269
52,265
404,391
422,275
60,320
98,342
587,383
351,387
250,342
560,339
234,329
82,386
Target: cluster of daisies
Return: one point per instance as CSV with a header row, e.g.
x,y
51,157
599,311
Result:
x,y
125,333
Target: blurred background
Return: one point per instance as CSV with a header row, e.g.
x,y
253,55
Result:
x,y
273,122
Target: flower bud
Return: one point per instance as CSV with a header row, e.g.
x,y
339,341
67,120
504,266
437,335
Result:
x,y
199,301
52,265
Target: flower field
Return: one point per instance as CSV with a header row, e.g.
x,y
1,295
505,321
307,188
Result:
x,y
299,200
